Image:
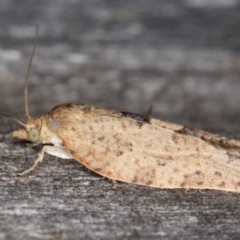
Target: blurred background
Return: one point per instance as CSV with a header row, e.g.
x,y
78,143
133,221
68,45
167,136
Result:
x,y
181,56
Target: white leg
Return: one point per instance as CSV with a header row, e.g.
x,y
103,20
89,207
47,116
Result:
x,y
55,151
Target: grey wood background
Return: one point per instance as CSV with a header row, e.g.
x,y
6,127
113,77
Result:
x,y
182,56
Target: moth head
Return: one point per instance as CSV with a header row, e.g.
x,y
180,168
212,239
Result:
x,y
30,131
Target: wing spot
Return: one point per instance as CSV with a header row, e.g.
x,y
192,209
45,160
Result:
x,y
183,184
86,109
161,164
97,169
135,179
68,105
119,153
142,180
140,120
222,184
218,174
187,131
149,183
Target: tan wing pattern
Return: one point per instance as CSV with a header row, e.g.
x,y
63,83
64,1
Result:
x,y
146,151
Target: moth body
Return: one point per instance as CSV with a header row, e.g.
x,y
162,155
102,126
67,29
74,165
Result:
x,y
137,149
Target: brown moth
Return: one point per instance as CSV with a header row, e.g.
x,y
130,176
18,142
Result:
x,y
132,148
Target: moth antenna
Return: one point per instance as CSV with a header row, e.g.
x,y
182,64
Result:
x,y
13,118
27,76
150,110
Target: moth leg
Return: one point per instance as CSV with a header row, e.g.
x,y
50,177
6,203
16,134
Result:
x,y
32,144
55,151
150,110
114,185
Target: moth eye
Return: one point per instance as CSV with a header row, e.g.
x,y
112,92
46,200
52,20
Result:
x,y
33,135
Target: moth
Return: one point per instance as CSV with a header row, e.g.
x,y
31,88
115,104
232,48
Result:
x,y
132,148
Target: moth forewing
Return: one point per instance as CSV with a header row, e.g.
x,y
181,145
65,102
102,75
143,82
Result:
x,y
136,149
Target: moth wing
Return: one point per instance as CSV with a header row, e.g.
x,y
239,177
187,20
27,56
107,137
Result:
x,y
155,154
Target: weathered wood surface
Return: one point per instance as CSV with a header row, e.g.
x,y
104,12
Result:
x,y
181,56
